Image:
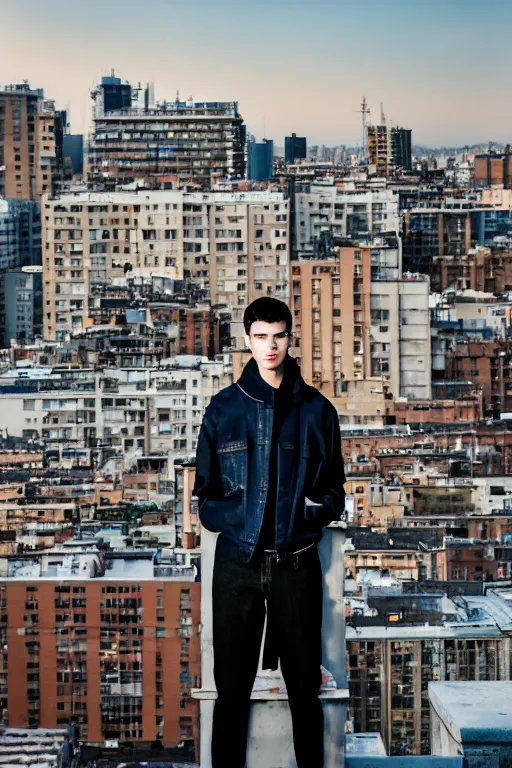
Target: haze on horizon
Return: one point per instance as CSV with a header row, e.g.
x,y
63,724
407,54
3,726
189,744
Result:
x,y
440,67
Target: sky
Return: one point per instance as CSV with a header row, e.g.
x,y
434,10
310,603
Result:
x,y
440,67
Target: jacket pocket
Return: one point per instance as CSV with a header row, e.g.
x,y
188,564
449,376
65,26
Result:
x,y
233,467
312,512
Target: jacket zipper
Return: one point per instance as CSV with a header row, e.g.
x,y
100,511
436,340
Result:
x,y
277,492
270,449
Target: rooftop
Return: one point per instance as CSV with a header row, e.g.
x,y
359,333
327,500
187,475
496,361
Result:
x,y
397,632
169,195
478,712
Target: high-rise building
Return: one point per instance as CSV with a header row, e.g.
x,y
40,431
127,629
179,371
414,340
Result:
x,y
389,148
330,318
236,245
358,318
20,271
20,305
20,234
401,148
379,148
165,144
31,137
325,210
295,148
112,94
114,656
73,152
260,160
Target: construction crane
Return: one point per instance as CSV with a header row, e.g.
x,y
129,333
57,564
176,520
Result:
x,y
365,118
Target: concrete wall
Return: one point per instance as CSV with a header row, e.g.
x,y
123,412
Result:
x,y
270,743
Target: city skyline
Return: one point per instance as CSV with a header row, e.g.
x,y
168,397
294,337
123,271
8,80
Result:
x,y
303,70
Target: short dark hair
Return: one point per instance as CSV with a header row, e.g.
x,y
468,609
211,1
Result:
x,y
268,310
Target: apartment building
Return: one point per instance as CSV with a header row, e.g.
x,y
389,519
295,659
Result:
x,y
91,239
331,313
234,245
129,412
400,347
164,144
111,647
20,234
493,169
392,562
488,365
327,210
20,305
379,149
389,668
31,143
446,233
357,318
389,148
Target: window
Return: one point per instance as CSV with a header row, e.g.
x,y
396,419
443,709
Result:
x,y
29,405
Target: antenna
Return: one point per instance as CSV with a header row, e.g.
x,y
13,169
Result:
x,y
365,113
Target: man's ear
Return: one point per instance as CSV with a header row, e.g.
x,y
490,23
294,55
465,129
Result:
x,y
247,340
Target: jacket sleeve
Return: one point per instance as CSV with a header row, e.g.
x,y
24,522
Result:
x,y
329,491
216,512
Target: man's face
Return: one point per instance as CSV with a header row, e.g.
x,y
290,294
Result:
x,y
269,343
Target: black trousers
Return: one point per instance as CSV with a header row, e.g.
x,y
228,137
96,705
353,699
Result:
x,y
293,598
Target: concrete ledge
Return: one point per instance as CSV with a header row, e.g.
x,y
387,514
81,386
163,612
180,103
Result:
x,y
410,761
341,694
477,712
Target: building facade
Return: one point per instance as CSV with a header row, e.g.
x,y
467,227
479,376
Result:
x,y
389,669
20,234
379,148
20,305
260,160
31,140
295,148
401,148
235,245
165,144
115,657
128,412
357,318
327,211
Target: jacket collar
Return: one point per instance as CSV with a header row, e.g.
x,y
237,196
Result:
x,y
251,383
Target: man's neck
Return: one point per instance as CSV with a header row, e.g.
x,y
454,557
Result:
x,y
274,377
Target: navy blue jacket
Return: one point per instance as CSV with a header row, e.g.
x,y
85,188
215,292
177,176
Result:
x,y
232,464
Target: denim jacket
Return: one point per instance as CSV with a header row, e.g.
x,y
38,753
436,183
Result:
x,y
232,465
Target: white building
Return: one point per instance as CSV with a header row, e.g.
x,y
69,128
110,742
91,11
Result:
x,y
360,215
133,411
235,244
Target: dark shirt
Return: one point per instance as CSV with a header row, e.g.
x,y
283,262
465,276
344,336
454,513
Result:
x,y
282,404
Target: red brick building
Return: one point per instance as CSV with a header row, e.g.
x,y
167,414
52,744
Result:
x,y
117,658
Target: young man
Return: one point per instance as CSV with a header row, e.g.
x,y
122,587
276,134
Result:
x,y
267,443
